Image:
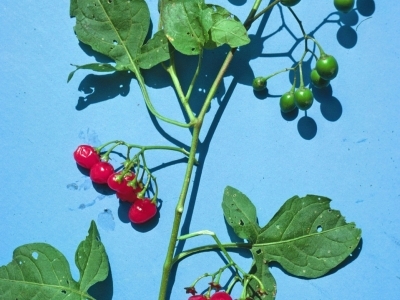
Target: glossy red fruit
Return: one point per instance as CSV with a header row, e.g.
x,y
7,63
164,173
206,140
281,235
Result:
x,y
198,297
86,156
131,197
100,172
121,184
142,211
221,296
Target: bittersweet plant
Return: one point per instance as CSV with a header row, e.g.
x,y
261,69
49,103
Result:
x,y
306,237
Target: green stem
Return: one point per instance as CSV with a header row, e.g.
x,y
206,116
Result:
x,y
178,213
212,247
196,74
184,100
254,16
150,106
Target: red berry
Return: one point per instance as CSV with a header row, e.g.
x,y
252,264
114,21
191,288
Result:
x,y
142,210
100,172
121,184
131,197
221,296
198,297
86,156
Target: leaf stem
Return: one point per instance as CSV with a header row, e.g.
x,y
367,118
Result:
x,y
148,102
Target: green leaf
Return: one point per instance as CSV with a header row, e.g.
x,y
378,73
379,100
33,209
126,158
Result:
x,y
229,31
183,26
99,67
226,28
307,237
154,51
91,252
116,28
73,6
260,269
39,271
240,214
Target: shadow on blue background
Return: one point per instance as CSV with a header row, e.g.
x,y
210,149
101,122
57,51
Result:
x,y
103,290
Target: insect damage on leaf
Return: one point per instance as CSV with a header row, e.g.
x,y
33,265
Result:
x,y
40,271
305,236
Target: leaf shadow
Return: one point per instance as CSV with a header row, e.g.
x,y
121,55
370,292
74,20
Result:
x,y
100,88
103,290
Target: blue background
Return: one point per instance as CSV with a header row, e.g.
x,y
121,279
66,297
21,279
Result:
x,y
346,149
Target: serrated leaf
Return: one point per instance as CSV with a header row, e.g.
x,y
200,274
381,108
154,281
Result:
x,y
240,214
260,269
39,271
98,67
183,26
154,51
307,237
91,252
116,28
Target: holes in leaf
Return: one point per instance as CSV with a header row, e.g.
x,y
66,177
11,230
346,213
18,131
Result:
x,y
109,1
258,251
64,291
115,42
35,255
319,228
241,223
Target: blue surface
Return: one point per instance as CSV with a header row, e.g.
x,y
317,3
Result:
x,y
347,149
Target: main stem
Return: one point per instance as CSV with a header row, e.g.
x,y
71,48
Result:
x,y
197,124
188,175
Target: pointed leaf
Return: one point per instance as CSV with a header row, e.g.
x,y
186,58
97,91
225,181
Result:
x,y
260,269
307,237
98,67
38,271
116,28
240,213
154,51
91,259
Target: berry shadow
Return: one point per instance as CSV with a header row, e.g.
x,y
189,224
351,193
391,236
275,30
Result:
x,y
307,127
330,106
365,7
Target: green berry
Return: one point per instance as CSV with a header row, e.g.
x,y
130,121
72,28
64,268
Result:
x,y
344,5
327,67
290,2
259,83
303,98
317,80
287,103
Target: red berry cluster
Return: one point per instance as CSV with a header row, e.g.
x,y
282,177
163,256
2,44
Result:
x,y
216,296
124,184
